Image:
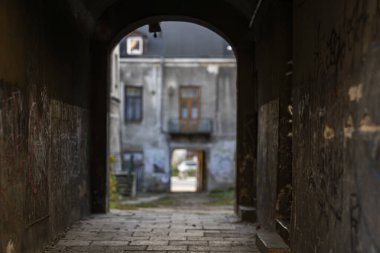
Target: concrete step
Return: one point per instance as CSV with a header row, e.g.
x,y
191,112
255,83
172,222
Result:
x,y
124,184
270,242
282,227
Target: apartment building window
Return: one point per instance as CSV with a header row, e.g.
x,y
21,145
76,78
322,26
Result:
x,y
133,104
133,161
189,101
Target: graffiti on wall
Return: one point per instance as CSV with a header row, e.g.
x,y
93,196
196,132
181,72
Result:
x,y
157,176
38,157
37,148
333,153
69,157
330,49
12,145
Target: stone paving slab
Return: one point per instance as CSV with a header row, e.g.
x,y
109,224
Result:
x,y
159,231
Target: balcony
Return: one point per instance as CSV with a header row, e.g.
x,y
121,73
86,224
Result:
x,y
190,127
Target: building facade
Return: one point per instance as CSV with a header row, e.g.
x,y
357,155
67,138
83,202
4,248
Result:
x,y
176,91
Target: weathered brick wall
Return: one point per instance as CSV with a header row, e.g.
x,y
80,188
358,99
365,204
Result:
x,y
43,121
336,126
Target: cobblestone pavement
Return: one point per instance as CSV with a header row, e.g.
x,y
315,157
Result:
x,y
159,230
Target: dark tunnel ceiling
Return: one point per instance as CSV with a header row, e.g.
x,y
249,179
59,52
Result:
x,y
97,7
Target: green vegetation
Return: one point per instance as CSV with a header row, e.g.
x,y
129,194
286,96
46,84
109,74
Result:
x,y
114,195
175,172
115,202
161,202
190,173
222,197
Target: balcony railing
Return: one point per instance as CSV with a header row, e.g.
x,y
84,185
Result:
x,y
190,127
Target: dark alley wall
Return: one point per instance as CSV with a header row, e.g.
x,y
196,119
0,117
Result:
x,y
44,66
336,126
334,101
273,52
267,160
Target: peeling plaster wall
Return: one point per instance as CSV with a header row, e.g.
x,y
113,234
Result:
x,y
114,113
336,127
44,66
146,136
221,173
161,81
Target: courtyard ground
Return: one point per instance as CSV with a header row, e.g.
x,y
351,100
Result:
x,y
188,184
191,224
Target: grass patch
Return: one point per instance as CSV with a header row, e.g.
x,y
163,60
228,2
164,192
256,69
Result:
x,y
175,172
222,197
161,202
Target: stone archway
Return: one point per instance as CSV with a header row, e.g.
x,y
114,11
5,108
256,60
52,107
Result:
x,y
114,23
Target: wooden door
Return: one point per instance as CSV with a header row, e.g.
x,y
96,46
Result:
x,y
201,171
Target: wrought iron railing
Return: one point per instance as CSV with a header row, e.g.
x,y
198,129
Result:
x,y
201,126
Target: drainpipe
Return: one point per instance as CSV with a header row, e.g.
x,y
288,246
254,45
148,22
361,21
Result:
x,y
217,113
162,65
162,94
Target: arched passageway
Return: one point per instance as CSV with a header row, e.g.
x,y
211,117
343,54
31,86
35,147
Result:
x,y
172,111
111,28
308,114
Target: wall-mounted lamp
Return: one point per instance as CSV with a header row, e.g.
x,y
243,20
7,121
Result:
x,y
171,87
171,91
155,28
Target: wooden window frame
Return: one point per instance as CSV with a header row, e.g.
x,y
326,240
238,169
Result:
x,y
126,118
198,101
125,167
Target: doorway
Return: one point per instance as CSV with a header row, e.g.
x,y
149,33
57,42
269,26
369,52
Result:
x,y
188,170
